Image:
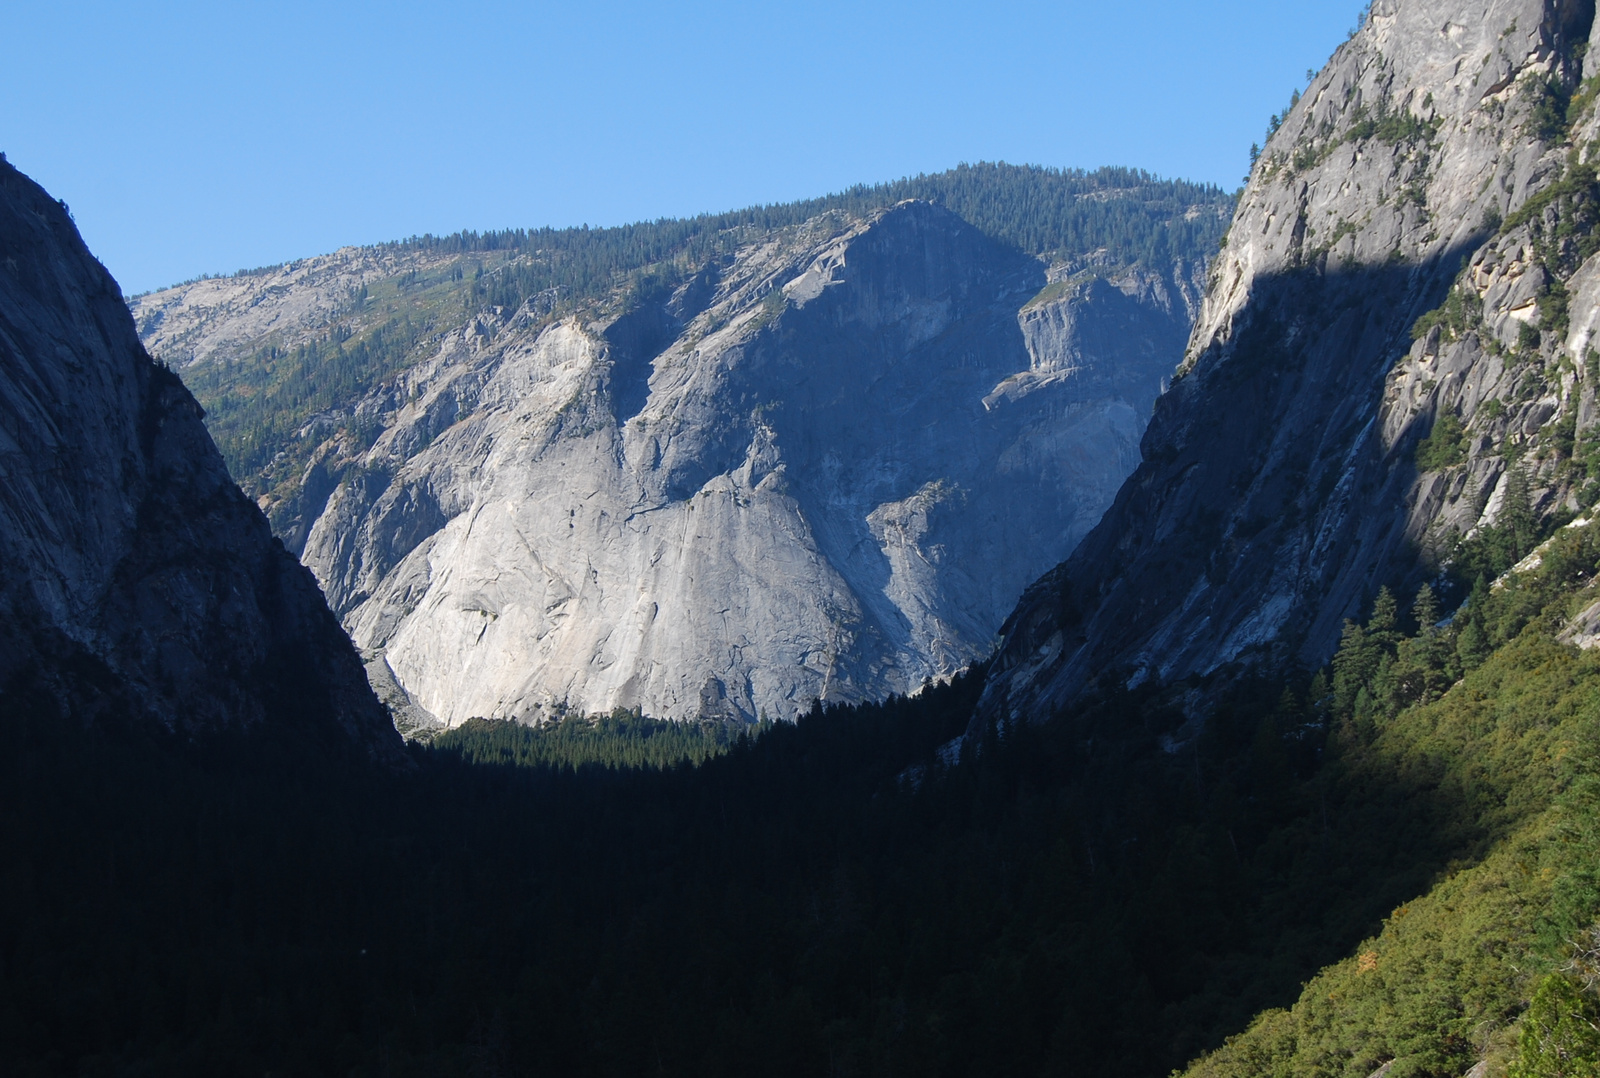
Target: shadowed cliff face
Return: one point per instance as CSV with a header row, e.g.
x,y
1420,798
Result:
x,y
1266,505
136,580
1279,486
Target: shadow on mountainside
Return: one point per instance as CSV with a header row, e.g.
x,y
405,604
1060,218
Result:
x,y
1082,897
1268,507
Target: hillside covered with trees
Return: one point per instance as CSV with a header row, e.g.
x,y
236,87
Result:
x,y
1100,894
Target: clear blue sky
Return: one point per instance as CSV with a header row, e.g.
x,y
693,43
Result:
x,y
206,137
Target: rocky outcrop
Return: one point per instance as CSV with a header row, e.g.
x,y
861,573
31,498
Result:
x,y
136,580
1439,163
823,467
215,318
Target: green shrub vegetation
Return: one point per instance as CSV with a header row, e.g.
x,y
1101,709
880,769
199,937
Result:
x,y
1493,549
1560,1033
1573,198
1461,311
1445,445
1503,723
1391,127
257,406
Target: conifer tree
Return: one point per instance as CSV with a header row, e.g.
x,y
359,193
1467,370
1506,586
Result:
x,y
1425,610
1353,667
1516,516
1384,625
1560,1034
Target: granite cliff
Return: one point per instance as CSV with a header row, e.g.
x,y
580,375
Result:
x,y
137,583
1394,355
820,465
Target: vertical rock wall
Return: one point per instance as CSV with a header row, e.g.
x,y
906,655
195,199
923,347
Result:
x,y
1281,482
135,578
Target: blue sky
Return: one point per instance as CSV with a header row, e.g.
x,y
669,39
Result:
x,y
195,138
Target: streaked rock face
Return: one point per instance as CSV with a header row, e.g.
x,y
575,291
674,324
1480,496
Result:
x,y
824,468
138,581
1280,485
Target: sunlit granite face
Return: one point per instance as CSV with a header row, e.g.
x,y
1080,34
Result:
x,y
824,469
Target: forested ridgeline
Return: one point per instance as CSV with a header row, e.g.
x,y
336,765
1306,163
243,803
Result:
x,y
1111,893
1130,214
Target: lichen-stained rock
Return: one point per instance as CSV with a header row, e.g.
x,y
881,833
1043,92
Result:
x,y
135,578
821,468
1436,166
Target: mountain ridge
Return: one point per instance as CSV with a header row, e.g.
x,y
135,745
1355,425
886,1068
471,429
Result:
x,y
694,380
